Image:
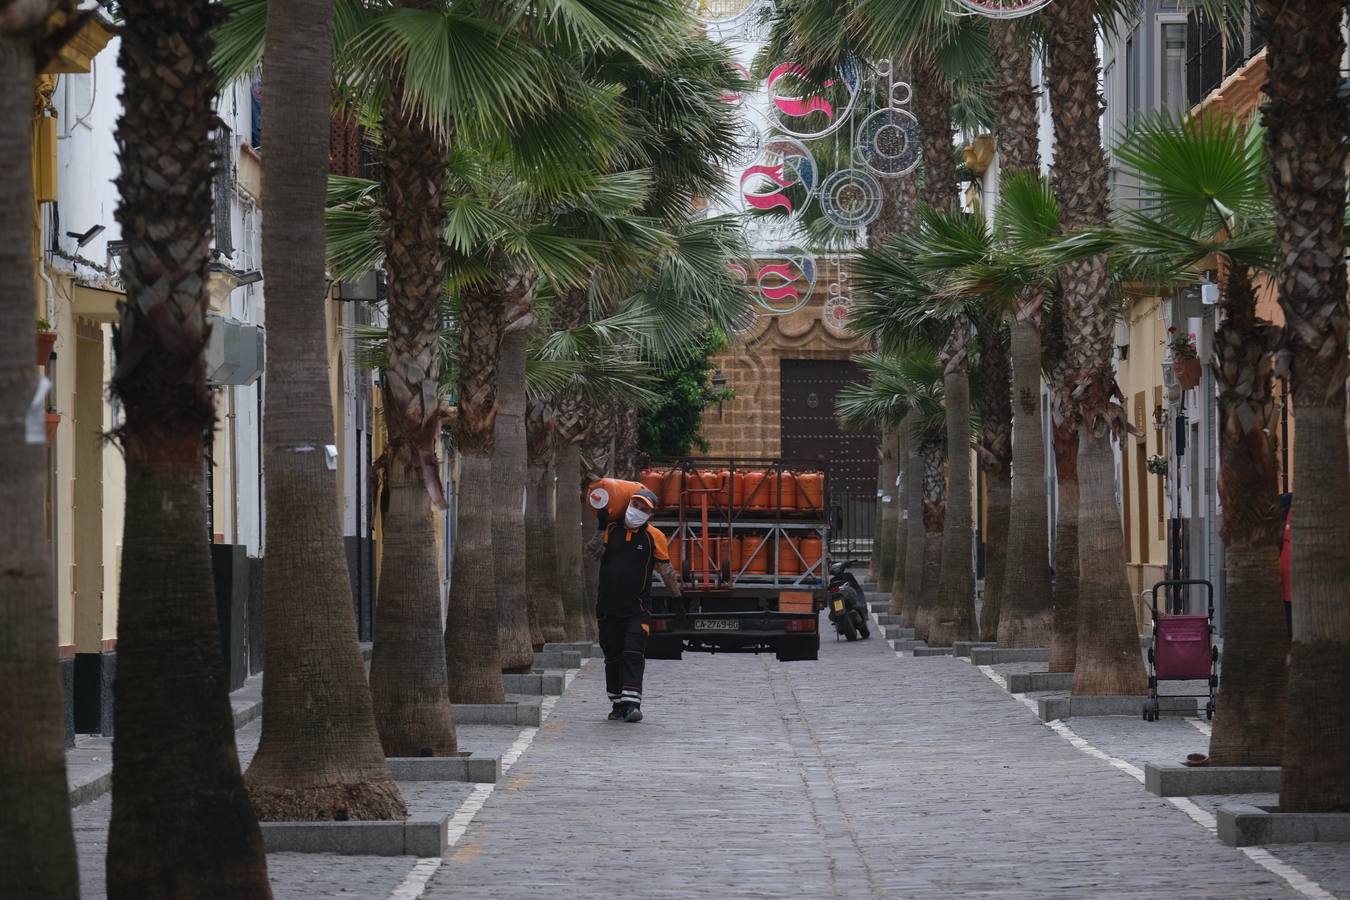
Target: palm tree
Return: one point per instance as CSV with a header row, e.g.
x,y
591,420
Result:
x,y
1107,658
995,455
39,856
908,389
1064,590
320,755
181,822
1204,182
543,567
1306,126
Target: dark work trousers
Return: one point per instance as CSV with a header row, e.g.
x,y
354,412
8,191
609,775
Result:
x,y
624,640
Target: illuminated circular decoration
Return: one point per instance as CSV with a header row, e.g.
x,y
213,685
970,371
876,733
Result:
x,y
835,317
783,176
750,131
850,198
806,110
784,281
888,142
1003,9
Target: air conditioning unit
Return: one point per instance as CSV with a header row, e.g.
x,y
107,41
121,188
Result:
x,y
235,352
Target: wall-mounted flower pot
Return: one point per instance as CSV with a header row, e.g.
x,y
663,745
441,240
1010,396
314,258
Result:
x,y
53,422
1188,372
46,340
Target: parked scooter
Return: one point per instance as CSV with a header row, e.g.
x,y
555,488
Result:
x,y
848,610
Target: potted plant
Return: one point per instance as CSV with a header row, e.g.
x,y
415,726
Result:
x,y
1157,464
46,340
1185,359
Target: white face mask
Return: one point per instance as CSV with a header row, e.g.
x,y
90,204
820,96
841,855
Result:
x,y
635,518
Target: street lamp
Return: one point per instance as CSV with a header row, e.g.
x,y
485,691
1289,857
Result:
x,y
719,383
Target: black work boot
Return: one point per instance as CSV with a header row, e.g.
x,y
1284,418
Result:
x,y
634,713
618,712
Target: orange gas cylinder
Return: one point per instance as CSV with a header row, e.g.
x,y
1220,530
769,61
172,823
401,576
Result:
x,y
612,494
788,563
712,484
674,545
812,549
737,545
811,491
671,488
787,489
755,549
753,493
723,495
768,495
655,482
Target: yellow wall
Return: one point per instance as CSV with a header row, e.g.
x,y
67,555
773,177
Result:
x,y
1144,494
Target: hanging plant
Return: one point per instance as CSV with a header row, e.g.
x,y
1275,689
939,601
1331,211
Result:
x,y
1157,464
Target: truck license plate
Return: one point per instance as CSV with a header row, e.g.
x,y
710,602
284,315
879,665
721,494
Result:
x,y
717,624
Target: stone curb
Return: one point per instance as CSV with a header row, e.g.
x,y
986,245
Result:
x,y
964,648
897,633
1026,682
556,659
90,789
415,837
992,656
587,649
1244,825
1052,708
527,711
474,769
932,651
908,644
886,618
547,684
1186,781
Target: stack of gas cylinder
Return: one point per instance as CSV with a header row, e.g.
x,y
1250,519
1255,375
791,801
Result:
x,y
757,491
743,496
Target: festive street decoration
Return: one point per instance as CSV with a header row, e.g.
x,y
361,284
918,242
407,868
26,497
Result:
x,y
834,315
784,176
850,198
1002,9
810,111
785,281
731,19
736,98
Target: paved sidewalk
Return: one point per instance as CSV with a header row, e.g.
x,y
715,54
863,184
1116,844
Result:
x,y
860,775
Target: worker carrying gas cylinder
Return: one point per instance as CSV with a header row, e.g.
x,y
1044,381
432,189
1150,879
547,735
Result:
x,y
629,549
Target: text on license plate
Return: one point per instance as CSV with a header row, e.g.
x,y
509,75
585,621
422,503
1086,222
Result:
x,y
839,606
717,624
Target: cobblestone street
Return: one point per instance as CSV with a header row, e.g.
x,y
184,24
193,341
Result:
x,y
860,775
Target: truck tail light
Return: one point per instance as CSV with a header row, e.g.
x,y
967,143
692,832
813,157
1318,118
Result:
x,y
660,625
801,625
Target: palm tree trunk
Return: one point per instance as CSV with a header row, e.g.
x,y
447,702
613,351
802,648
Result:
x,y
1018,127
1107,660
900,501
541,540
1027,612
995,403
933,108
934,499
884,540
904,600
39,849
407,668
509,479
1249,724
954,617
472,652
320,755
1108,643
570,526
1064,587
181,823
1306,122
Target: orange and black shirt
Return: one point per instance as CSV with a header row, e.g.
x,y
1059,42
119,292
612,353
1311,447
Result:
x,y
626,569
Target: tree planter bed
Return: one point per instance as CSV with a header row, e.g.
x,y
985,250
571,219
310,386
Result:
x,y
964,648
536,683
1028,682
1052,708
984,655
1186,781
523,711
1244,825
933,651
